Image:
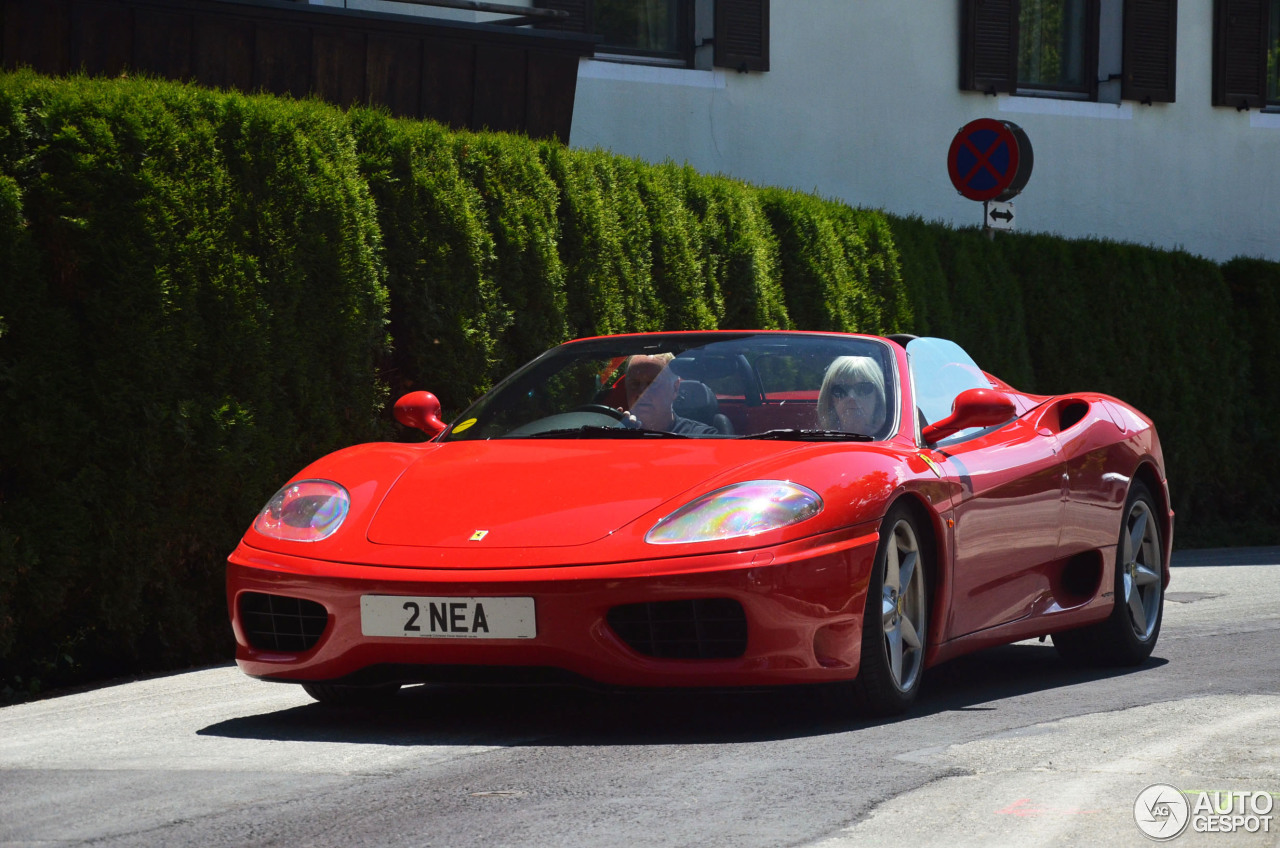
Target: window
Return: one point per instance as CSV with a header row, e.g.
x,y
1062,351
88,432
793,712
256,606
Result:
x,y
1083,49
643,26
1053,45
1246,53
670,31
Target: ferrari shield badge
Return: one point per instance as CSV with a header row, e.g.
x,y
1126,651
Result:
x,y
933,466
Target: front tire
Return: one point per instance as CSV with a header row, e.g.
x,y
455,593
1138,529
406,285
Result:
x,y
1129,635
895,623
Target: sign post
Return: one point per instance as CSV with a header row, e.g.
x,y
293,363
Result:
x,y
990,161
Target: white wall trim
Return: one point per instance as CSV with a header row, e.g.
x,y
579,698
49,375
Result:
x,y
1265,120
1066,108
651,74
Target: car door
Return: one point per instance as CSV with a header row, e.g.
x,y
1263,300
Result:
x,y
1010,480
1092,455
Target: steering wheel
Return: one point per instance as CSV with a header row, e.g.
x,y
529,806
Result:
x,y
599,408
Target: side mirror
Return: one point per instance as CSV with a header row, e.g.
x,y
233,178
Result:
x,y
421,411
972,408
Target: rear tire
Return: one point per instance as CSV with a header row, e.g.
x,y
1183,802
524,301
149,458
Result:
x,y
895,623
335,695
1128,636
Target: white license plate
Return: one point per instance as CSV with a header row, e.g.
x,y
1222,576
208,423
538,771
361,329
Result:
x,y
447,618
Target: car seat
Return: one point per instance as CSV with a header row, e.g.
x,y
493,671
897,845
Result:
x,y
696,400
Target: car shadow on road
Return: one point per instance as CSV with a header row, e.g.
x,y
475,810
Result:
x,y
514,716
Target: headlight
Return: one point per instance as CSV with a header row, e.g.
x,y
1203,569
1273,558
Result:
x,y
305,511
743,509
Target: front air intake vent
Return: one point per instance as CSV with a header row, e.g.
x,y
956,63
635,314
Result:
x,y
701,629
280,623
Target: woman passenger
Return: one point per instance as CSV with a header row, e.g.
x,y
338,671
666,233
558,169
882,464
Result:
x,y
852,397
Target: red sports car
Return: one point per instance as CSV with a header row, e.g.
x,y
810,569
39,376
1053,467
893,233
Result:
x,y
714,509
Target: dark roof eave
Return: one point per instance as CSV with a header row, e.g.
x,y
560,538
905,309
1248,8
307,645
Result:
x,y
549,40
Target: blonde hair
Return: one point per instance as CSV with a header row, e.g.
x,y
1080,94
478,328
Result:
x,y
848,370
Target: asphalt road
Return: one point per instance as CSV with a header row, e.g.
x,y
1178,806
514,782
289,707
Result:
x,y
1007,747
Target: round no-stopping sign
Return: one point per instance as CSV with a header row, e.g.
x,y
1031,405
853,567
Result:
x,y
990,160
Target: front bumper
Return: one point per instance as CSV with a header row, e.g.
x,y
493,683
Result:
x,y
803,603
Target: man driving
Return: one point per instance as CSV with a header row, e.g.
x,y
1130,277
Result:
x,y
651,395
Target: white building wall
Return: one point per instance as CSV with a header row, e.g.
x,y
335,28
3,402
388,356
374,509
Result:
x,y
862,101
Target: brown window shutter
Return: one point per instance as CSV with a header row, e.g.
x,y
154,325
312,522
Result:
x,y
1150,50
579,19
742,34
1239,53
1093,30
989,48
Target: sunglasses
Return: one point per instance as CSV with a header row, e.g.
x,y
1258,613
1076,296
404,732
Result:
x,y
860,389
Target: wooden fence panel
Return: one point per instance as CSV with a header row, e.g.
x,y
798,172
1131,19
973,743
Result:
x,y
500,84
449,82
338,67
101,37
394,77
163,44
38,35
223,53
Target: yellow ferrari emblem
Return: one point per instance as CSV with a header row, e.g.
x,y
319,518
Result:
x,y
478,535
933,466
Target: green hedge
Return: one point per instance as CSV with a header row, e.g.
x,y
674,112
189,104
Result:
x,y
203,291
738,253
446,309
1254,330
839,266
193,309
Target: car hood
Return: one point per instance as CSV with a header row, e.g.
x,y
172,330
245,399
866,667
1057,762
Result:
x,y
531,494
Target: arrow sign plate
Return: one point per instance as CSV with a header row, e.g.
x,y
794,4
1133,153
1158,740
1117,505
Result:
x,y
998,215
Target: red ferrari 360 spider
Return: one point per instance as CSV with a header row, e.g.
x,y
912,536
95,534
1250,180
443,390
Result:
x,y
714,509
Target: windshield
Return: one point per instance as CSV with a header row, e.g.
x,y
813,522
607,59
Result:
x,y
695,385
